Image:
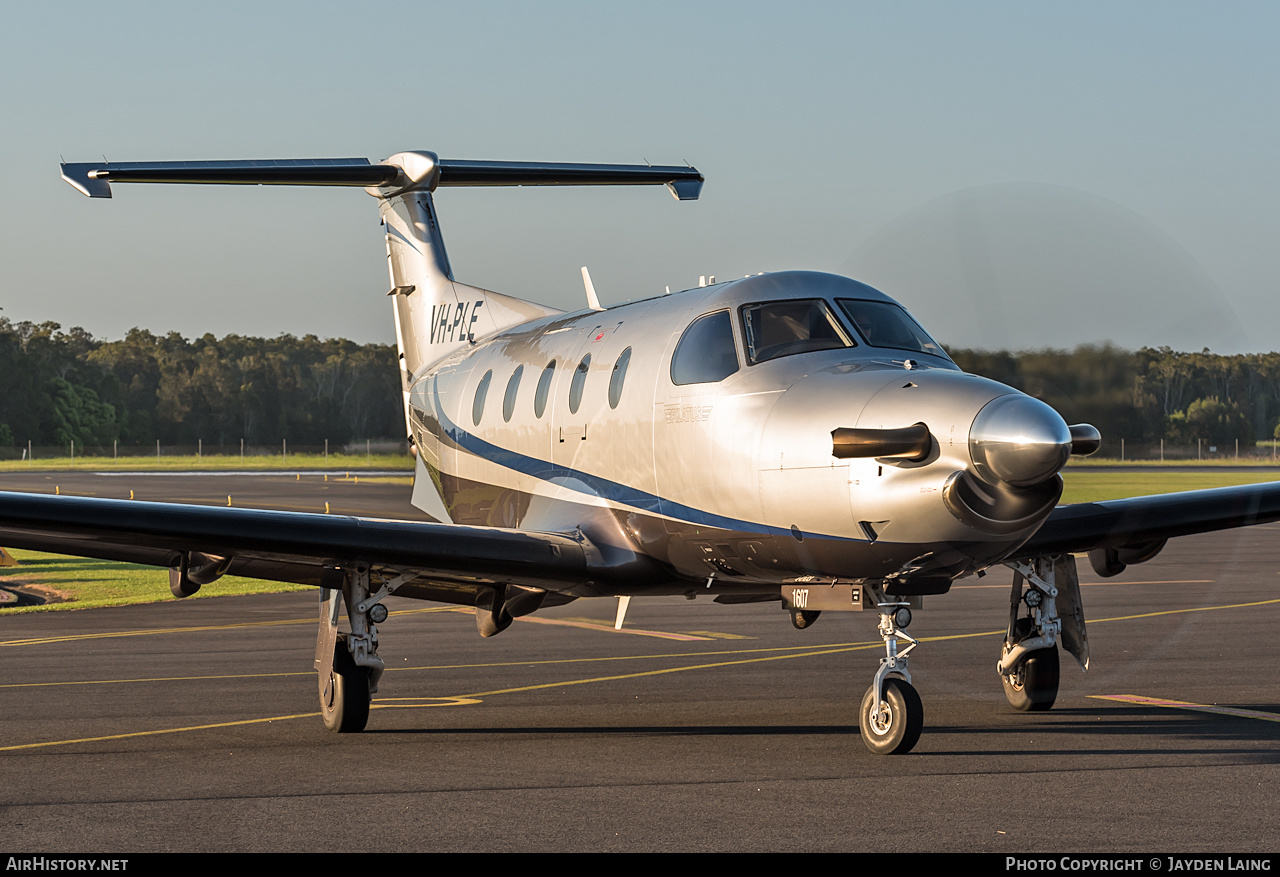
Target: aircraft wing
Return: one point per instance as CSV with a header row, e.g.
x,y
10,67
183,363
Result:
x,y
309,549
1142,520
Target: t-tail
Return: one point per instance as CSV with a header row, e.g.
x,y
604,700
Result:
x,y
435,315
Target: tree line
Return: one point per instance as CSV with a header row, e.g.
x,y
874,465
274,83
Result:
x,y
57,387
1149,395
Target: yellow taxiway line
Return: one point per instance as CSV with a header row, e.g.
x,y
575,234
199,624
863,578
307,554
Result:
x,y
1186,705
476,697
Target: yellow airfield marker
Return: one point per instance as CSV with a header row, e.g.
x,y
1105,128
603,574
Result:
x,y
228,500
326,508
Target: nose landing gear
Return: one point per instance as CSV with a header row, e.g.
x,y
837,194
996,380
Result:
x,y
891,715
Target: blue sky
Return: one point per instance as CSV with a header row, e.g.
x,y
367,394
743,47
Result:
x,y
1018,174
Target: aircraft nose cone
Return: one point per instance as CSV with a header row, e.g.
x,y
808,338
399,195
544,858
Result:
x,y
1018,440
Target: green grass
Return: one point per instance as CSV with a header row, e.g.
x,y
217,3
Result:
x,y
1216,461
88,584
192,463
1083,486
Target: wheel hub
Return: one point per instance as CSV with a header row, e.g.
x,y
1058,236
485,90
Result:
x,y
882,719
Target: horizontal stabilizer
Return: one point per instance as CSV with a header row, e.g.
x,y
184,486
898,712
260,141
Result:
x,y
684,182
94,179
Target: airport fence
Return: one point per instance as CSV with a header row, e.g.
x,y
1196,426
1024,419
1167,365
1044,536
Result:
x,y
368,448
1199,452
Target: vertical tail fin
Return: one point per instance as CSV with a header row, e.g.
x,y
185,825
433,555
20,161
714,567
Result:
x,y
435,315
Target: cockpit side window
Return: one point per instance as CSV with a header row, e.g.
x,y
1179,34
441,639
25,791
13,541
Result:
x,y
706,352
784,328
884,324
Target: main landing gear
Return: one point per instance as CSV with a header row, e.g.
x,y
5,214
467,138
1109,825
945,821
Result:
x,y
347,665
1029,666
891,715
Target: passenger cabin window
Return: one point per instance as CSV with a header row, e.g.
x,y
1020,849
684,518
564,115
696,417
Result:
x,y
482,390
579,381
706,352
618,378
544,389
513,390
784,328
884,324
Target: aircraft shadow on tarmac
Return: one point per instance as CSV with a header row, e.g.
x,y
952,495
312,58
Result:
x,y
1138,723
1133,723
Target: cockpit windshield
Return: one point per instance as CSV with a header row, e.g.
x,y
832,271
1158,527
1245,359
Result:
x,y
783,328
883,324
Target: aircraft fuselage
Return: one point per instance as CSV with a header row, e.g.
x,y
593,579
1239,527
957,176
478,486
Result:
x,y
601,421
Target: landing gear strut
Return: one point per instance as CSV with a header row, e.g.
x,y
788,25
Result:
x,y
347,665
891,715
1029,666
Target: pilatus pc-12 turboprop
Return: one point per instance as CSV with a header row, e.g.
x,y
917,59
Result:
x,y
792,437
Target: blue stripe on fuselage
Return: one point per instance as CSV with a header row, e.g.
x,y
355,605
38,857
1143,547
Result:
x,y
603,487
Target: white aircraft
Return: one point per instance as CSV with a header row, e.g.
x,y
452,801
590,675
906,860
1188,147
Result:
x,y
791,437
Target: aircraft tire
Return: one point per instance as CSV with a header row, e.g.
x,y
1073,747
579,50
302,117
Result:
x,y
902,718
1034,686
347,709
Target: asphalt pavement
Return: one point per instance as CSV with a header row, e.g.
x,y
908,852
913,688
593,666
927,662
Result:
x,y
193,725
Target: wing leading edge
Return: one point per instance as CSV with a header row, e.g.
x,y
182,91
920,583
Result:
x,y
309,549
1121,522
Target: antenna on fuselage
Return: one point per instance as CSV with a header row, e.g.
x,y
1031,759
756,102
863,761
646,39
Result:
x,y
593,300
